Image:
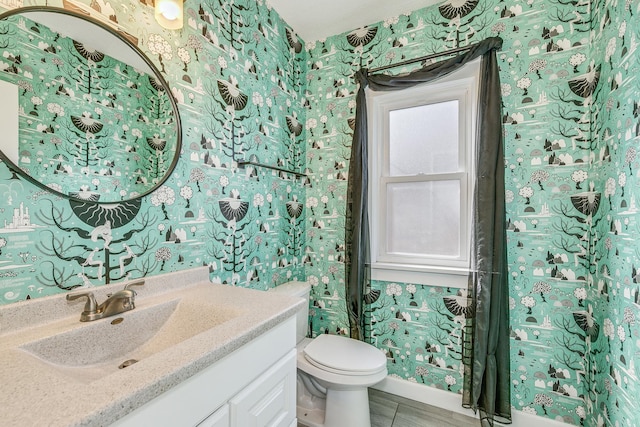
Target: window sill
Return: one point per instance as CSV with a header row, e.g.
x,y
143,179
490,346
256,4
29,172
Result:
x,y
449,277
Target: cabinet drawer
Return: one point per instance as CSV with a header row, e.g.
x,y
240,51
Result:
x,y
270,400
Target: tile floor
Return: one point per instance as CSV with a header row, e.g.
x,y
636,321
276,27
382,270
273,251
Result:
x,y
388,410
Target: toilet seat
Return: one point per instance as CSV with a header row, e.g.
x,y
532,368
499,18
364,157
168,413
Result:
x,y
344,356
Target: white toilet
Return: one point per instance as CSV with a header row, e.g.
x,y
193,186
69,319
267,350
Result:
x,y
334,373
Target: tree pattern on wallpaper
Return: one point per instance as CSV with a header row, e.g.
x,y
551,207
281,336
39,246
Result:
x,y
612,295
89,124
459,22
571,128
570,114
103,252
420,330
247,123
231,246
238,92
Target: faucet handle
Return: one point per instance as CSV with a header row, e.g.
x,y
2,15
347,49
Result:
x,y
129,285
91,305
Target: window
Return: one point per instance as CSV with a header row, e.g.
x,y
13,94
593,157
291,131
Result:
x,y
421,175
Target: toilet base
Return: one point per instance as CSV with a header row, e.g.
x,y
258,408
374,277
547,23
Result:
x,y
348,408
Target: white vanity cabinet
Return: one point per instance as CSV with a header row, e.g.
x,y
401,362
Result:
x,y
253,386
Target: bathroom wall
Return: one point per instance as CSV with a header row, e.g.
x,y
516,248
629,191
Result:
x,y
613,297
570,116
238,76
570,168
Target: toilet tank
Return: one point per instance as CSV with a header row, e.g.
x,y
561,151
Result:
x,y
301,290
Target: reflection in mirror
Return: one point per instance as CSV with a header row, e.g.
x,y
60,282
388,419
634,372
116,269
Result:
x,y
96,125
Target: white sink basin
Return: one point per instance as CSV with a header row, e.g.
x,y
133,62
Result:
x,y
88,351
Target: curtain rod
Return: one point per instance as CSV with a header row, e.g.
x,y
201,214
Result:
x,y
422,58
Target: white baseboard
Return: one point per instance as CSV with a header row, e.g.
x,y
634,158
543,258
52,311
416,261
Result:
x,y
522,419
452,402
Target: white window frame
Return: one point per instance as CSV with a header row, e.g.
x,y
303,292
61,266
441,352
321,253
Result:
x,y
462,86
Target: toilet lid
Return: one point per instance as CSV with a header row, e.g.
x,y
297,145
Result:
x,y
344,355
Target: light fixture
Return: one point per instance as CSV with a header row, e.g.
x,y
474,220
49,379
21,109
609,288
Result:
x,y
169,13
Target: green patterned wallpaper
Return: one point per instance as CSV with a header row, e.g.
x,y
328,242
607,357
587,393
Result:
x,y
570,114
248,89
237,76
613,294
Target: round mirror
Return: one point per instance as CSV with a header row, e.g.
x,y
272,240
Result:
x,y
84,112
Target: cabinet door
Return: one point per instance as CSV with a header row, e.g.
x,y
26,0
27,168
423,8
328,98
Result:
x,y
270,400
220,418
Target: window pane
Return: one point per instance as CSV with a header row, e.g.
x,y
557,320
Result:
x,y
424,139
423,218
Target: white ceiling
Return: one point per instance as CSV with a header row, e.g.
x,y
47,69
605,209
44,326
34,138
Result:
x,y
318,19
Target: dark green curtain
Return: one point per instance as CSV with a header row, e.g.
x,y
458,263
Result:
x,y
486,359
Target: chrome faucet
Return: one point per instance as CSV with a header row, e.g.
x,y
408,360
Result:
x,y
117,303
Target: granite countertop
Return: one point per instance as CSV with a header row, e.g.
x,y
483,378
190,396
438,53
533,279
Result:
x,y
37,392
